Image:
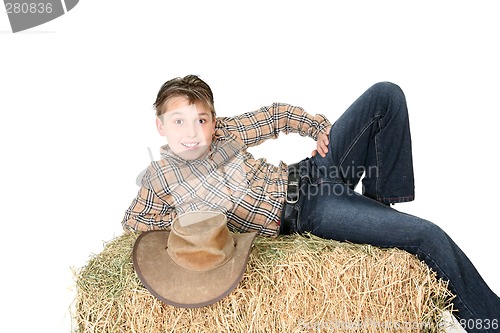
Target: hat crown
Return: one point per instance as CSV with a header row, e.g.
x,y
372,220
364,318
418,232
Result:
x,y
203,261
200,241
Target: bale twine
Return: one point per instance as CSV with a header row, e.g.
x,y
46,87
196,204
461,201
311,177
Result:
x,y
292,284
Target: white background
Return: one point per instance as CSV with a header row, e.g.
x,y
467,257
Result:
x,y
76,100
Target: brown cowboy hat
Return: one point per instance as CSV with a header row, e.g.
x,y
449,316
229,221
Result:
x,y
195,264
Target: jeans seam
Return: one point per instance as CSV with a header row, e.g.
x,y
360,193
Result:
x,y
379,163
377,151
356,139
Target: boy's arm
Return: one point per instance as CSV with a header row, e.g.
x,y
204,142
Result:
x,y
267,122
147,212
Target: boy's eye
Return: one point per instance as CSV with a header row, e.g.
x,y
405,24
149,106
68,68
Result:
x,y
202,121
178,122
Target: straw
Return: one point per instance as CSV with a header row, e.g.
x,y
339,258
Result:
x,y
292,284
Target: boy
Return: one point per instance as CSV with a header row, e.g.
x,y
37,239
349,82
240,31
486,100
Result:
x,y
206,166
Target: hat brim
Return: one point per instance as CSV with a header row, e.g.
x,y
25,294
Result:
x,y
182,287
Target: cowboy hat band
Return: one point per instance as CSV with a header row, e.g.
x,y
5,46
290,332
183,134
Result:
x,y
195,264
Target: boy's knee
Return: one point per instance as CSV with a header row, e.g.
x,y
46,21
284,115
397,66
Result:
x,y
388,88
391,96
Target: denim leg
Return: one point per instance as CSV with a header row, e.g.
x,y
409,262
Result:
x,y
372,137
330,209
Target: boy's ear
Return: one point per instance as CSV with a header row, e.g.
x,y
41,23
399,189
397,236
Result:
x,y
159,126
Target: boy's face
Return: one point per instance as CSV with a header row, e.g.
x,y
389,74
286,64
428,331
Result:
x,y
188,128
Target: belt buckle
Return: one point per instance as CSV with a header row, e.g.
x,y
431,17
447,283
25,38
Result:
x,y
293,184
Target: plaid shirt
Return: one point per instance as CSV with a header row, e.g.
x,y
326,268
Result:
x,y
250,192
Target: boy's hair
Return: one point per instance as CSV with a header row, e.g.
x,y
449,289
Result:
x,y
191,87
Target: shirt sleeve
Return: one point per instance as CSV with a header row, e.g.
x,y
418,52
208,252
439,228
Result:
x,y
147,212
266,123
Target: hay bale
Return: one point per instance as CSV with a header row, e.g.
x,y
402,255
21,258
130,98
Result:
x,y
292,284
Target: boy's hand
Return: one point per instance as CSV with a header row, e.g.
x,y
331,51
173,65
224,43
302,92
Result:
x,y
322,143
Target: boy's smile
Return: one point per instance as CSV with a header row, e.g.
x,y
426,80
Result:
x,y
188,127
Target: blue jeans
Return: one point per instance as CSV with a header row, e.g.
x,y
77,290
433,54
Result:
x,y
372,138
